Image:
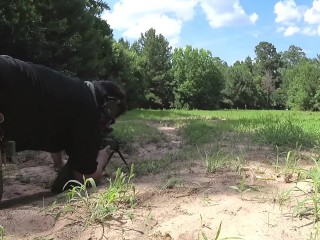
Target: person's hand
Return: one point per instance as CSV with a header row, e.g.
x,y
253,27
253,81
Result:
x,y
60,164
58,160
103,156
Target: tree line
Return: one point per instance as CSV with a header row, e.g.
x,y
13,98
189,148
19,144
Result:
x,y
70,36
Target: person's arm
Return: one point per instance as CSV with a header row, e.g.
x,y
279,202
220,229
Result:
x,y
85,156
58,161
102,158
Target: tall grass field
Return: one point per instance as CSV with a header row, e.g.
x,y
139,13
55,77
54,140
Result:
x,y
277,128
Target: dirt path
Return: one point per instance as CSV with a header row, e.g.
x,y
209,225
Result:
x,y
191,208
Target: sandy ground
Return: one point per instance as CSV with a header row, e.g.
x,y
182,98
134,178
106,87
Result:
x,y
191,209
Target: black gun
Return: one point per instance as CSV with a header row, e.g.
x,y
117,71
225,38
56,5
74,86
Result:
x,y
108,139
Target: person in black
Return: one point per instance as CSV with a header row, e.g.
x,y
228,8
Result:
x,y
49,111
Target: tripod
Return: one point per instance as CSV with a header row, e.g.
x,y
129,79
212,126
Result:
x,y
120,154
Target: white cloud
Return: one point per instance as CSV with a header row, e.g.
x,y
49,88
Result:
x,y
291,30
294,18
288,12
136,17
168,16
226,13
312,15
309,31
158,22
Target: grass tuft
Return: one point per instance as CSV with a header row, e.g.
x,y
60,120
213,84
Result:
x,y
2,233
214,159
279,131
98,207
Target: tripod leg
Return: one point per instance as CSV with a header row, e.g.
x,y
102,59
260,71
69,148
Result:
x,y
122,158
110,156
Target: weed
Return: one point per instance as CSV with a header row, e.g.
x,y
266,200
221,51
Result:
x,y
172,182
239,164
291,163
203,236
213,159
120,191
310,205
99,206
2,232
241,188
268,221
283,197
276,165
316,234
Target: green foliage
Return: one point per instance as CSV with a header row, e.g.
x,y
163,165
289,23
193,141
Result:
x,y
292,56
268,59
197,81
303,84
127,70
268,65
66,35
156,57
19,26
239,90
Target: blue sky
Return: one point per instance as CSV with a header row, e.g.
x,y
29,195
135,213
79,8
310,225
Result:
x,y
230,29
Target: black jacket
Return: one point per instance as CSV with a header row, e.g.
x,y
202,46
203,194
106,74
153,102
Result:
x,y
46,110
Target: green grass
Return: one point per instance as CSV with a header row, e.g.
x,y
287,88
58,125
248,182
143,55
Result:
x,y
165,163
199,131
282,128
223,128
97,207
310,205
281,131
171,183
2,233
137,131
214,159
